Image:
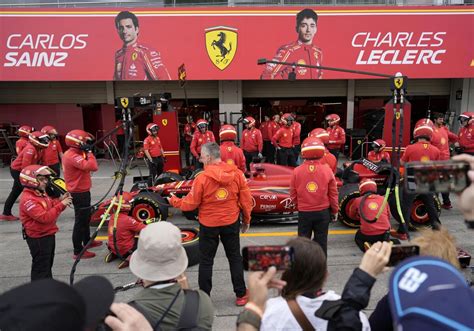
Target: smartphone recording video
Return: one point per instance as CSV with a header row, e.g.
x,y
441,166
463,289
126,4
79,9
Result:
x,y
401,252
258,258
436,176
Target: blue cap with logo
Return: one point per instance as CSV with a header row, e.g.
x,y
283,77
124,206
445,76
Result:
x,y
427,293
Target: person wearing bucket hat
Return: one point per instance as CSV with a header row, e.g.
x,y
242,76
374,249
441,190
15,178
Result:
x,y
427,293
160,261
48,304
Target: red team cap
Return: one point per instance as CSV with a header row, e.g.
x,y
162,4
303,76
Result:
x,y
287,118
423,130
249,120
380,144
39,139
76,138
28,175
367,185
201,123
333,118
150,127
320,133
48,129
25,130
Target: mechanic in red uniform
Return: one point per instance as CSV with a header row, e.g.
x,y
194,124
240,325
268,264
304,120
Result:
x,y
466,133
31,154
314,192
188,132
38,214
230,153
378,153
221,193
422,150
23,131
78,163
301,51
328,158
127,229
154,153
53,153
201,136
265,137
446,137
367,208
337,135
251,142
272,128
283,141
136,61
296,127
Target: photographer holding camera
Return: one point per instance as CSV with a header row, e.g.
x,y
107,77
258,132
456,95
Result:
x,y
78,163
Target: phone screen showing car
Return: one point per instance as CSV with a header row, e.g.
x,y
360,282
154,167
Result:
x,y
257,258
436,176
401,252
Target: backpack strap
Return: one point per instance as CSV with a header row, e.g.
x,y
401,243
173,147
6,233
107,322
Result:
x,y
189,312
300,317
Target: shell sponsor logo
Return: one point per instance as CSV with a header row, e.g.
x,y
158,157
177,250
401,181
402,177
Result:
x,y
373,206
312,187
443,141
425,158
221,194
230,161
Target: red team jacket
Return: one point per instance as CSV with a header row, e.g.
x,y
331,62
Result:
x,y
139,62
189,131
295,52
264,130
370,208
272,129
313,187
39,213
330,160
421,151
20,144
441,139
283,137
466,138
153,146
28,156
296,127
77,166
252,140
127,228
337,137
200,139
232,154
378,157
51,153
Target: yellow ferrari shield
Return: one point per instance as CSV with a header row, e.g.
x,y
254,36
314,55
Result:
x,y
164,121
221,45
124,102
398,82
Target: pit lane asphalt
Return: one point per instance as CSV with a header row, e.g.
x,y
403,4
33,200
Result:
x,y
343,255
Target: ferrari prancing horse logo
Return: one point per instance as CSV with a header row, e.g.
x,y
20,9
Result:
x,y
164,121
221,45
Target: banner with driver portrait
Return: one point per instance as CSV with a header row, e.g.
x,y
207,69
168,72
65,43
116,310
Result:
x,y
225,43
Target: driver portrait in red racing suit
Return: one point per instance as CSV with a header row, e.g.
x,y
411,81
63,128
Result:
x,y
301,51
136,61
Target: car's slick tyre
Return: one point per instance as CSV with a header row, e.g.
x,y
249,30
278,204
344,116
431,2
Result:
x,y
147,205
168,177
195,173
419,216
190,240
347,194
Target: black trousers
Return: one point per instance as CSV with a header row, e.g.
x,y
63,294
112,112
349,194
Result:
x,y
315,224
156,168
208,243
42,254
197,164
187,152
81,233
446,200
270,153
361,238
286,157
335,152
296,153
57,168
249,158
428,200
17,188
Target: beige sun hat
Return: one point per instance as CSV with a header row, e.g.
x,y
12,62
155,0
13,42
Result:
x,y
160,254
